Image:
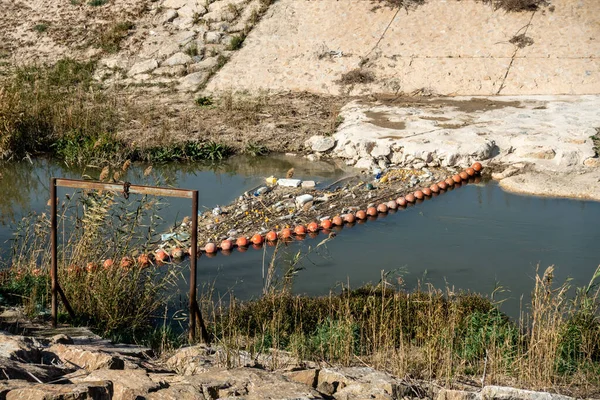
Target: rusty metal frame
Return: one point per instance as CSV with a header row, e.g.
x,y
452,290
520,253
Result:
x,y
127,188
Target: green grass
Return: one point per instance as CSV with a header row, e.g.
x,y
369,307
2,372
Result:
x,y
97,3
41,28
236,42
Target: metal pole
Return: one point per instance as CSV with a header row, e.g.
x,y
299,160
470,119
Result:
x,y
54,262
193,260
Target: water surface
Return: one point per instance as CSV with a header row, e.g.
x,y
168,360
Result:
x,y
475,238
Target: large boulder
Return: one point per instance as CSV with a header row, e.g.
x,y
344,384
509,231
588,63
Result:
x,y
80,391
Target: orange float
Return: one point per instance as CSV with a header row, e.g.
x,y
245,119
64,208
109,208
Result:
x,y
434,188
257,239
410,198
312,227
210,248
419,195
401,202
457,178
427,192
241,242
463,175
300,230
326,224
392,205
442,185
271,236
371,211
143,260
450,182
91,267
177,253
286,233
361,214
161,255
477,167
107,263
226,245
382,208
349,218
337,220
126,262
470,171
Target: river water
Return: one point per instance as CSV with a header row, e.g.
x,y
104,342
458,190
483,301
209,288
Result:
x,y
477,238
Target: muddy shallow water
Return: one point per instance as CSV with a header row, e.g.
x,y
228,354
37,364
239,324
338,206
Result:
x,y
474,238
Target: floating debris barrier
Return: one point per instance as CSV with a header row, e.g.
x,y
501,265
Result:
x,y
284,209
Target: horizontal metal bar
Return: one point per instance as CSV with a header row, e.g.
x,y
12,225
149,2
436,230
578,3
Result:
x,y
133,189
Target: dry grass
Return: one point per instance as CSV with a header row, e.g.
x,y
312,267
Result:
x,y
506,5
428,334
119,300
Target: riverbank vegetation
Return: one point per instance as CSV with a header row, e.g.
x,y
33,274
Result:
x,y
423,333
60,110
506,5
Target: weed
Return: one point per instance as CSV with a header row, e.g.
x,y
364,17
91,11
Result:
x,y
236,42
110,39
521,41
596,142
221,61
97,3
114,300
196,18
192,50
41,28
75,2
188,151
255,149
516,5
204,101
357,76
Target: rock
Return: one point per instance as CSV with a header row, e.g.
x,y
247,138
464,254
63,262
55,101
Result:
x,y
381,150
61,338
177,70
313,157
362,391
177,59
448,394
19,348
419,165
184,37
26,371
592,162
365,147
213,37
89,360
192,11
12,384
365,164
192,82
547,154
508,172
177,392
306,376
143,67
508,393
80,391
169,16
190,360
329,381
397,157
127,384
207,64
251,383
174,3
167,49
321,143
308,184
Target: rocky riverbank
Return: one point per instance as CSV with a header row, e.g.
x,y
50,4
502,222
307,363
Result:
x,y
64,367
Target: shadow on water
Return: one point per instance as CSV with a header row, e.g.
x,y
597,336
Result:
x,y
474,238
